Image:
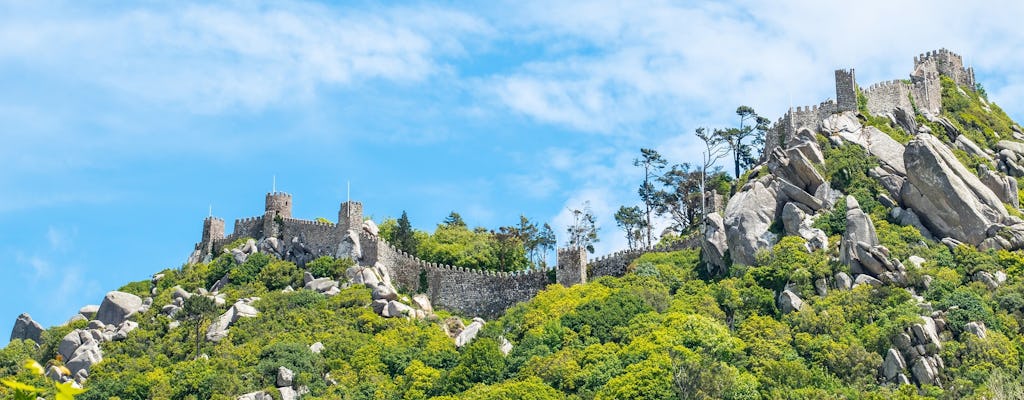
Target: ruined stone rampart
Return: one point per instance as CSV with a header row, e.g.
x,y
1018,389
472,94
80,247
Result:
x,y
884,97
321,238
615,264
459,289
462,290
949,64
785,128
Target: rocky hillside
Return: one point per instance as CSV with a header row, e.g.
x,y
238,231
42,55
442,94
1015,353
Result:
x,y
869,256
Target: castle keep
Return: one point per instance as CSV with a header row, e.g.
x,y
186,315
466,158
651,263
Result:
x,y
922,92
468,291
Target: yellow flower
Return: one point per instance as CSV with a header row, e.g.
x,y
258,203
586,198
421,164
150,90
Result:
x,y
33,367
18,386
66,391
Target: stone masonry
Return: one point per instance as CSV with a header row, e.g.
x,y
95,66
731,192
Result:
x,y
467,291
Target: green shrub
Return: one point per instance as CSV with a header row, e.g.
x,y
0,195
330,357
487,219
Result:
x,y
329,267
280,274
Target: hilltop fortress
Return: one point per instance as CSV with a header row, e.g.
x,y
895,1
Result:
x,y
896,98
488,293
464,290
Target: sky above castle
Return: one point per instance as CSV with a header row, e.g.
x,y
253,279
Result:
x,y
121,123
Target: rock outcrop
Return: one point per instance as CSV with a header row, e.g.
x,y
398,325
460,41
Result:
x,y
748,217
889,152
219,328
789,302
26,328
715,245
469,333
950,200
797,222
118,307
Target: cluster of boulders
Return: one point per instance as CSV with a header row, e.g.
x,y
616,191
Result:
x,y
285,383
386,301
220,326
916,349
793,189
80,348
926,186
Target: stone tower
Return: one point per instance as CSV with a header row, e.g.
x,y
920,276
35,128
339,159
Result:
x,y
213,229
572,266
281,203
350,216
846,90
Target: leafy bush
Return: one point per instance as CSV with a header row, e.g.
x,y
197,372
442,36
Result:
x,y
280,274
329,267
294,356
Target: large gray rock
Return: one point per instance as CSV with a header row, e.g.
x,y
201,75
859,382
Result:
x,y
287,393
889,152
396,309
371,227
256,396
321,285
26,328
422,301
843,281
1003,186
384,292
796,222
893,364
964,143
469,333
84,357
714,246
69,344
748,217
285,377
793,166
859,247
925,334
220,327
925,371
789,302
950,200
89,311
977,328
118,307
350,247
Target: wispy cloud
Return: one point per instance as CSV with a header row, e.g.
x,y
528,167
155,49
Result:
x,y
251,55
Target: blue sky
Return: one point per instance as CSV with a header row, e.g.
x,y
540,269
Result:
x,y
120,124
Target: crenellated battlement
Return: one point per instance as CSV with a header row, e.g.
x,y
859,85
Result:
x,y
280,203
465,290
796,118
946,63
309,222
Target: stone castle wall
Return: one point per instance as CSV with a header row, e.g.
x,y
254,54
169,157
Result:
x,y
319,237
615,264
467,291
796,118
884,97
949,64
924,89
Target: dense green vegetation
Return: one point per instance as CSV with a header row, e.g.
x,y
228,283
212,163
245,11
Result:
x,y
510,248
665,330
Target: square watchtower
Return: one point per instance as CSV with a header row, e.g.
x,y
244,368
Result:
x,y
350,216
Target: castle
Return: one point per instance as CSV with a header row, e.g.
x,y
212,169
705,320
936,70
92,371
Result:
x,y
467,291
922,92
489,293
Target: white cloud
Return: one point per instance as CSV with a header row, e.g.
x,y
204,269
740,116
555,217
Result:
x,y
637,70
209,58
